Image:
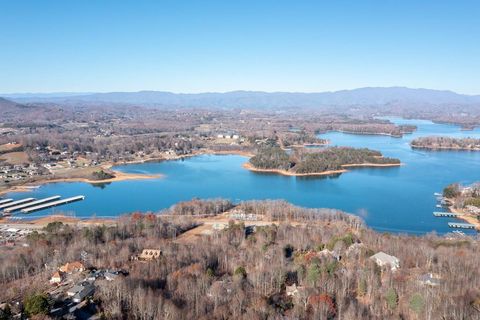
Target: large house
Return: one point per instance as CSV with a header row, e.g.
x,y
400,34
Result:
x,y
71,267
385,260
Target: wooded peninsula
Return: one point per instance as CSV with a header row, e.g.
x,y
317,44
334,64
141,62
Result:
x,y
446,143
332,160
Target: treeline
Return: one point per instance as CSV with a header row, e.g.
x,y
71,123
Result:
x,y
336,157
370,127
234,274
435,142
271,157
107,147
197,207
299,139
332,158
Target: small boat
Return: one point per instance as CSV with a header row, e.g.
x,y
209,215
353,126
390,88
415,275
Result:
x,y
437,194
439,206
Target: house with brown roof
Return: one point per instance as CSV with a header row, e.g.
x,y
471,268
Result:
x,y
72,267
56,278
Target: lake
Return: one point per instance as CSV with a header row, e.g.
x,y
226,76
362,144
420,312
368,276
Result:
x,y
398,199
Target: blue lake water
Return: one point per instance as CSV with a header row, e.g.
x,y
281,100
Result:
x,y
398,199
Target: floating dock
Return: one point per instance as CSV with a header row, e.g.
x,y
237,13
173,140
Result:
x,y
31,204
15,203
461,225
445,214
52,204
5,201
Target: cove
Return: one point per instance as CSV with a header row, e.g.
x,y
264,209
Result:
x,y
397,199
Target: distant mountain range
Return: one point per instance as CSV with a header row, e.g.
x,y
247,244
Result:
x,y
256,99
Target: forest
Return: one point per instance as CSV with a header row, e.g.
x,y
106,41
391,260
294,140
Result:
x,y
235,274
368,127
304,161
436,142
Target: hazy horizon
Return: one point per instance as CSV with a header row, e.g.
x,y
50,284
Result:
x,y
73,93
218,46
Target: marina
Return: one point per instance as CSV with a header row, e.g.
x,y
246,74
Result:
x,y
30,204
3,201
52,204
445,214
461,225
15,203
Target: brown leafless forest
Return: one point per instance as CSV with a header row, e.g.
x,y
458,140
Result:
x,y
242,272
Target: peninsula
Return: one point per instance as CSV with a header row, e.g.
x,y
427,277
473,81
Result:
x,y
329,161
446,143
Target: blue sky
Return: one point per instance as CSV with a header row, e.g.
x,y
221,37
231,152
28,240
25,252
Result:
x,y
197,46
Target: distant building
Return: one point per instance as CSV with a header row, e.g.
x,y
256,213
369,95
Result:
x,y
472,209
430,279
71,267
110,276
219,225
149,254
382,260
293,290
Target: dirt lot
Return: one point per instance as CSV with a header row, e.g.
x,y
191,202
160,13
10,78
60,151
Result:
x,y
15,157
9,146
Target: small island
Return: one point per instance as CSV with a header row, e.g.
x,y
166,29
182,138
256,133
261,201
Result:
x,y
333,160
446,143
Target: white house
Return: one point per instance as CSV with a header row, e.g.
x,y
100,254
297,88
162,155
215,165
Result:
x,y
430,279
382,260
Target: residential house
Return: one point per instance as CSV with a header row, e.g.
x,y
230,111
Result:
x,y
57,278
71,267
80,292
430,279
383,260
293,290
110,276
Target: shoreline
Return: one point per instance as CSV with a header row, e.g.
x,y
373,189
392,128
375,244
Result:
x,y
249,166
119,175
44,221
465,216
368,133
440,148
